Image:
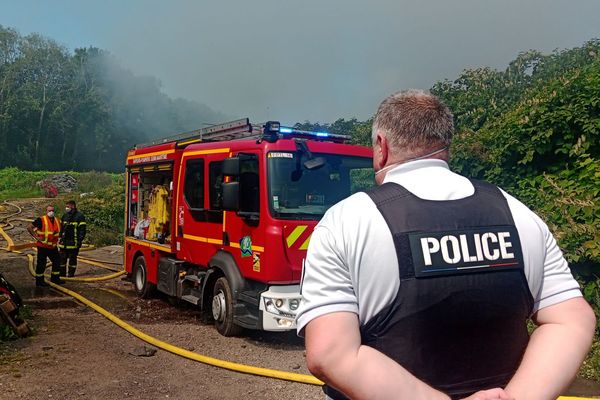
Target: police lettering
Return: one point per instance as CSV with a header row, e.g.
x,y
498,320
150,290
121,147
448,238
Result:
x,y
489,246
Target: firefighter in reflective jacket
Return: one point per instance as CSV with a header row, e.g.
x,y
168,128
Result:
x,y
46,230
71,238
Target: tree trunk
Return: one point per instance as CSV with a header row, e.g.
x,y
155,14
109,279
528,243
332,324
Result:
x,y
39,133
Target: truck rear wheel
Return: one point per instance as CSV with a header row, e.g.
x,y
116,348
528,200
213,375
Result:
x,y
143,287
222,309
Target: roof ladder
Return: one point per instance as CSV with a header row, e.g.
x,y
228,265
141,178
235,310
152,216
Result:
x,y
238,129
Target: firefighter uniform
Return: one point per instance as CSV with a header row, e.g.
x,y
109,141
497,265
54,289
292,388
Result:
x,y
47,231
71,238
442,272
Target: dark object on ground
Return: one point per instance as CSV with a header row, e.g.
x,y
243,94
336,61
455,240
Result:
x,y
143,351
10,302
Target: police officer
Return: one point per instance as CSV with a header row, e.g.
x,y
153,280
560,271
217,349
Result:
x,y
421,287
46,229
71,238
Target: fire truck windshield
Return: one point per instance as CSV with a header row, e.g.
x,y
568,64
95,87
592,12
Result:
x,y
297,192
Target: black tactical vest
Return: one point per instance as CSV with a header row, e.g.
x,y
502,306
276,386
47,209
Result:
x,y
458,321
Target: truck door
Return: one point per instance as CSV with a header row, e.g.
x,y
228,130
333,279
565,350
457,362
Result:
x,y
199,215
244,228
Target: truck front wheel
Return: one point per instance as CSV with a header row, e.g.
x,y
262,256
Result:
x,y
222,309
143,287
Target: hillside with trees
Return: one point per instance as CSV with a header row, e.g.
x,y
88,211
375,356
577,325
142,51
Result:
x,y
62,110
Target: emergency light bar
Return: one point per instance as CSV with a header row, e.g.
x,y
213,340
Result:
x,y
273,130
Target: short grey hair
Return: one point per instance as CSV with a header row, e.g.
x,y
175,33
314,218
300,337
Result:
x,y
414,119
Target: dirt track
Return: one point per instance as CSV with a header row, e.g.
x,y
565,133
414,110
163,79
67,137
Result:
x,y
76,353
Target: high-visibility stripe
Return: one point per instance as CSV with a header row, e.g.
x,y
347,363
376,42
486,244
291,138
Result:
x,y
188,142
208,151
50,231
156,153
306,242
151,245
254,248
203,239
291,239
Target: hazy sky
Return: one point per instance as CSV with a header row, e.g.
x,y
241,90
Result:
x,y
306,60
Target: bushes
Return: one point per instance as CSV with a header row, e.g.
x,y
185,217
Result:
x,y
102,203
104,212
17,184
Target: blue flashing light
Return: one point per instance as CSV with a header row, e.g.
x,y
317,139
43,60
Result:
x,y
285,130
322,134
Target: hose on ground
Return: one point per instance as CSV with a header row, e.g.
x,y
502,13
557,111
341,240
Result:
x,y
247,369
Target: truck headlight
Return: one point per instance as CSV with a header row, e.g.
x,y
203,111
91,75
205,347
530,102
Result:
x,y
282,306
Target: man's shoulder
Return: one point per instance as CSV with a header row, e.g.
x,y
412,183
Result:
x,y
350,203
352,209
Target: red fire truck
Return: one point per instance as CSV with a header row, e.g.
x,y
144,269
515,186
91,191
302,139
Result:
x,y
221,217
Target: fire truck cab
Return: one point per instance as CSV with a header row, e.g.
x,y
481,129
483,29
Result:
x,y
221,217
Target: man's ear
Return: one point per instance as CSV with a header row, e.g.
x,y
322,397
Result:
x,y
382,149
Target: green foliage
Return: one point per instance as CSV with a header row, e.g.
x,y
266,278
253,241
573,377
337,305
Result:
x,y
545,149
104,212
591,366
102,203
16,184
79,111
88,182
534,129
6,333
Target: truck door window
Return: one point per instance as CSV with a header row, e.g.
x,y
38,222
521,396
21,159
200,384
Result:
x,y
193,188
215,172
249,201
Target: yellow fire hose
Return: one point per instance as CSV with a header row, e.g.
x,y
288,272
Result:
x,y
271,373
247,369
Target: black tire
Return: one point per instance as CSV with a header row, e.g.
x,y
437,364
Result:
x,y
143,288
222,309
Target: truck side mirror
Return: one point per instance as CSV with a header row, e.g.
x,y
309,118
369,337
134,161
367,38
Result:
x,y
231,166
231,194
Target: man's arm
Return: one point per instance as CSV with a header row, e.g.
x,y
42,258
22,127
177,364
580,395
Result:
x,y
31,229
81,231
335,355
555,351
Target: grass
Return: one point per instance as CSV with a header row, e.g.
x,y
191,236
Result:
x,y
18,184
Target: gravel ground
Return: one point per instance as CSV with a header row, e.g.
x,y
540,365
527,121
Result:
x,y
75,353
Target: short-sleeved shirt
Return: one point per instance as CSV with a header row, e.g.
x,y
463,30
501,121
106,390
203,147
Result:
x,y
352,266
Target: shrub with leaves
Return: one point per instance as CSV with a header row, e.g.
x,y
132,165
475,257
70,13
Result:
x,y
104,213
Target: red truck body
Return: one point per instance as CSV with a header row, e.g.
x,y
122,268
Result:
x,y
224,223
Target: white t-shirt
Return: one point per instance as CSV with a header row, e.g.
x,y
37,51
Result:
x,y
351,264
